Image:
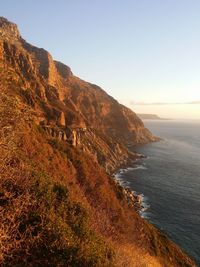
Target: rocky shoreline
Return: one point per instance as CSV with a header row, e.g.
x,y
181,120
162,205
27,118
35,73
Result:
x,y
133,199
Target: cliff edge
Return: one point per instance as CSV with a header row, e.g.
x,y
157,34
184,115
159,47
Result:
x,y
60,137
64,102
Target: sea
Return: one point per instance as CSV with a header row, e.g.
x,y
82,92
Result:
x,y
168,181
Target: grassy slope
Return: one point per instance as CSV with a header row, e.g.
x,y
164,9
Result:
x,y
58,207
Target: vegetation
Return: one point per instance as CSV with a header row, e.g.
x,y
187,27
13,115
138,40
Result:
x,y
58,207
40,225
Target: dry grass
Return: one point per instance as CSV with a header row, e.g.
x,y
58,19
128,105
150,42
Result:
x,y
58,208
128,255
40,224
15,199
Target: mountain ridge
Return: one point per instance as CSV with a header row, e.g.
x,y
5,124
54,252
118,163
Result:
x,y
60,138
60,99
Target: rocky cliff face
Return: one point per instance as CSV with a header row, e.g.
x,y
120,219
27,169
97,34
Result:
x,y
60,99
8,30
58,205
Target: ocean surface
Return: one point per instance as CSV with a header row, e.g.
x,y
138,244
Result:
x,y
168,181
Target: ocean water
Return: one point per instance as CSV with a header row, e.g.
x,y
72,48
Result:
x,y
168,181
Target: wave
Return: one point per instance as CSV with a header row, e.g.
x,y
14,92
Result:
x,y
143,200
129,169
121,181
139,167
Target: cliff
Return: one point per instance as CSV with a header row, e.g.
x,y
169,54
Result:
x,y
62,100
60,137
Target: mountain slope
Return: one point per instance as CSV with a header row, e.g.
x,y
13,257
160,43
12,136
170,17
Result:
x,y
59,136
64,101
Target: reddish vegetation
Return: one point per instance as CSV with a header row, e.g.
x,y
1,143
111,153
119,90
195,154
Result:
x,y
59,139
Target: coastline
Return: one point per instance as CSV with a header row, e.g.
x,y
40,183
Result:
x,y
121,175
134,200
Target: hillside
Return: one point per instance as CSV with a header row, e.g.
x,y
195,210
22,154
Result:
x,y
60,139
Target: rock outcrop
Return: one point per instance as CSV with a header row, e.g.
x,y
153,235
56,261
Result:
x,y
61,99
8,30
59,136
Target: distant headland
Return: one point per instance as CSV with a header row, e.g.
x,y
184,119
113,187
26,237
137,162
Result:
x,y
151,117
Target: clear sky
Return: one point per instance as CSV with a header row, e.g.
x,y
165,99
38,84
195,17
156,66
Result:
x,y
145,53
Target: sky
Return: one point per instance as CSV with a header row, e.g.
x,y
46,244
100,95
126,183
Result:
x,y
145,53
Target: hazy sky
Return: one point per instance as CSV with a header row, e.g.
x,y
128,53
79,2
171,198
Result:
x,y
140,51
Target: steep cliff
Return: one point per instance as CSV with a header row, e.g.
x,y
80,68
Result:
x,y
62,100
59,136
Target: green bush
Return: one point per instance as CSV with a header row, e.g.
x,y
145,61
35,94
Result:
x,y
61,229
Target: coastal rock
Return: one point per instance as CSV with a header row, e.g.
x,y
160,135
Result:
x,y
64,100
63,136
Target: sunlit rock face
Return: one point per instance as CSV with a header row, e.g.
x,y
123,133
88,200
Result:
x,y
99,124
59,136
8,30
